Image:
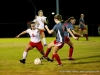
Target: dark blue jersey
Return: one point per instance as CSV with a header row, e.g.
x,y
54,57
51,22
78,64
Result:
x,y
58,28
68,26
80,25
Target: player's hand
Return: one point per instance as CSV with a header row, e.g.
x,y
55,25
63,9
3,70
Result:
x,y
17,36
75,38
46,26
81,35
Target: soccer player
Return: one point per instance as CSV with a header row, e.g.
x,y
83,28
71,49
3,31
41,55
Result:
x,y
41,20
82,26
59,42
34,40
70,29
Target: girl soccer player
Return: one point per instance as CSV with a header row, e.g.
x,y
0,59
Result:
x,y
82,26
59,42
70,29
34,40
41,20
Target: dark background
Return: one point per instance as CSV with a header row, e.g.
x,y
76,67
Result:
x,y
14,14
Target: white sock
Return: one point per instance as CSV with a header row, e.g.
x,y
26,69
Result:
x,y
24,55
44,41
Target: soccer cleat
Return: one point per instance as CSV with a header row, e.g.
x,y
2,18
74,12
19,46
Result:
x,y
45,44
60,64
51,60
71,59
45,58
22,61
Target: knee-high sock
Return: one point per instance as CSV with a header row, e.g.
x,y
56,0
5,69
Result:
x,y
44,41
24,54
86,35
56,56
70,52
47,52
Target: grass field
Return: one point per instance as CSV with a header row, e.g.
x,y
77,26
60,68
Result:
x,y
86,53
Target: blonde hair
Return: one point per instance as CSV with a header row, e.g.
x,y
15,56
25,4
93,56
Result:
x,y
40,11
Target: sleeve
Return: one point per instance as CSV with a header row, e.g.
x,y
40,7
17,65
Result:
x,y
80,20
34,20
72,27
28,30
54,28
44,18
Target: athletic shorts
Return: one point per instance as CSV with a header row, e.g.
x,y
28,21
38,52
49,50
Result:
x,y
59,44
38,45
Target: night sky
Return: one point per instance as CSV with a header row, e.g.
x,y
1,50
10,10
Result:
x,y
23,10
16,11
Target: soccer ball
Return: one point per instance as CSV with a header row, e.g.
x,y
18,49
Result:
x,y
37,61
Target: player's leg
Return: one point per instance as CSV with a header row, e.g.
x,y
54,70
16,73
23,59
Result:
x,y
70,50
39,47
80,31
43,37
85,34
25,53
49,49
67,40
55,55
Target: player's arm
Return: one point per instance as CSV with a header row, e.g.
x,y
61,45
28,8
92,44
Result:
x,y
24,32
75,33
72,34
45,21
49,31
83,24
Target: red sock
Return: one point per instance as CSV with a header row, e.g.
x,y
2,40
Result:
x,y
47,52
70,51
86,35
52,56
57,58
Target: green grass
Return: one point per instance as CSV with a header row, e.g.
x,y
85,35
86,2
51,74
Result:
x,y
86,53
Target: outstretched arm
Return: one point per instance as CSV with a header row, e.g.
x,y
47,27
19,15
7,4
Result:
x,y
24,32
49,31
72,34
77,33
83,24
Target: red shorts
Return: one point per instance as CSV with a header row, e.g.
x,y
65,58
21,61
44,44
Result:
x,y
38,45
59,44
66,39
41,31
82,28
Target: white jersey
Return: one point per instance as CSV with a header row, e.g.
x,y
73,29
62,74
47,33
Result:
x,y
39,20
34,35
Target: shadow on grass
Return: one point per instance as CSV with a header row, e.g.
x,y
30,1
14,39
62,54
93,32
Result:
x,y
85,62
87,57
82,57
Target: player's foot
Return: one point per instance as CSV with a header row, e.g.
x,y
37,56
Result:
x,y
45,58
45,44
87,39
22,61
71,59
60,64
